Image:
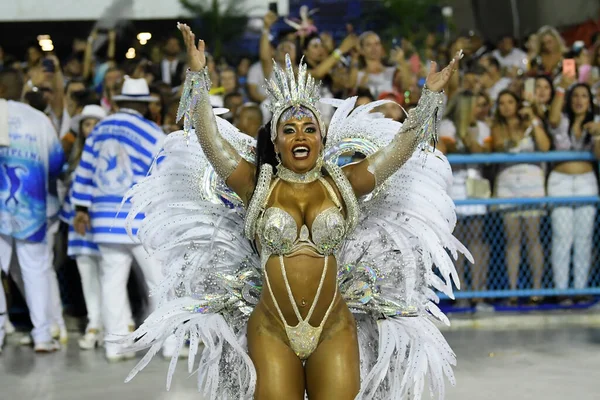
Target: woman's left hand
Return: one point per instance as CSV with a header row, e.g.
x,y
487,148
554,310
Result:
x,y
593,128
437,80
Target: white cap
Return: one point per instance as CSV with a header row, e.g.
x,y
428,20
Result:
x,y
89,111
135,90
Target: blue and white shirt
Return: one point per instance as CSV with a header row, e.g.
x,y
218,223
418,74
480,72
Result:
x,y
77,245
29,168
117,155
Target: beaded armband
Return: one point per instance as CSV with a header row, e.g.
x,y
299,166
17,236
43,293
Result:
x,y
261,191
420,128
197,112
196,86
350,200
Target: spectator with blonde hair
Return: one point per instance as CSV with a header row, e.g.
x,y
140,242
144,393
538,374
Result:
x,y
550,48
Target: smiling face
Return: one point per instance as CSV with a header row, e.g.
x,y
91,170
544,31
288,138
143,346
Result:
x,y
298,140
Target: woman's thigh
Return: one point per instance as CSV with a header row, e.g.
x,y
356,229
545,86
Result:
x,y
333,370
280,374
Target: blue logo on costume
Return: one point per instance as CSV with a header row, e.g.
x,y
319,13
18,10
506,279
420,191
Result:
x,y
114,175
12,173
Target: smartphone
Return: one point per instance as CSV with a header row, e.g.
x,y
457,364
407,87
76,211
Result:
x,y
529,87
48,65
569,68
273,7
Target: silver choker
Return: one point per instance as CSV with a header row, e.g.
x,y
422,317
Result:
x,y
293,177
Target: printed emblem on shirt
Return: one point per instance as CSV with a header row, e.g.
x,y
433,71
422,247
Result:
x,y
114,174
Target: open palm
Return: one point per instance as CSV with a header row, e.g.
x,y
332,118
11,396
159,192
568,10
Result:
x,y
195,53
437,80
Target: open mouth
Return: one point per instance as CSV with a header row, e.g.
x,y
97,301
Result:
x,y
300,152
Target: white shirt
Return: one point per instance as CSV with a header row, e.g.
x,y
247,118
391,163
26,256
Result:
x,y
257,77
379,83
499,86
460,173
516,58
168,68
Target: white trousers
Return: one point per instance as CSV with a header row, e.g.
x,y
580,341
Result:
x,y
56,302
572,228
115,266
89,271
34,259
56,307
3,313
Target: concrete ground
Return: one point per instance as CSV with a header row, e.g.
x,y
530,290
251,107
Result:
x,y
542,363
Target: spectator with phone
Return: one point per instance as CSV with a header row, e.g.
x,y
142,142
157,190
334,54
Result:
x,y
549,51
462,133
516,129
575,129
539,93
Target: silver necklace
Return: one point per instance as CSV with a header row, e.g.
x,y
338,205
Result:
x,y
293,177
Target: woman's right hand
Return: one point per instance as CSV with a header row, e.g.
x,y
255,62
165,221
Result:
x,y
566,81
195,54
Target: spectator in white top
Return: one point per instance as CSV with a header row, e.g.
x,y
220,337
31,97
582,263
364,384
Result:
x,y
509,56
171,67
576,129
376,76
461,132
493,81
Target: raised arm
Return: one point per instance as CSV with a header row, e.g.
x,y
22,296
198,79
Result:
x,y
420,124
237,173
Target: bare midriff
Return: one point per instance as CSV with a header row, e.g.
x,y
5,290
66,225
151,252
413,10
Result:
x,y
574,167
304,269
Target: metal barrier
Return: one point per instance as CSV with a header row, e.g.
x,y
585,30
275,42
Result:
x,y
488,232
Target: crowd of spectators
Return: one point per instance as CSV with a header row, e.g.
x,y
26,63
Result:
x,y
507,98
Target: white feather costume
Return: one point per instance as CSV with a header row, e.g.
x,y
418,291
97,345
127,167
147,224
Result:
x,y
390,267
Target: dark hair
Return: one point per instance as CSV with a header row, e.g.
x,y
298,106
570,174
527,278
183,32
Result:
x,y
476,70
308,39
494,61
228,96
547,79
265,149
85,97
589,115
72,81
508,36
12,80
498,118
364,92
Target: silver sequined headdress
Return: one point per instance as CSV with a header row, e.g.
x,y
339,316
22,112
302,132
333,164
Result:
x,y
285,91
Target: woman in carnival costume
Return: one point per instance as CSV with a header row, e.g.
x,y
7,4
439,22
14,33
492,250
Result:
x,y
298,277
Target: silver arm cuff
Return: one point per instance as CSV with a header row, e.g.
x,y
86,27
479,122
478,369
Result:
x,y
419,127
196,110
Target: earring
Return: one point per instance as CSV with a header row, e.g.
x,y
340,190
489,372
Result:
x,y
278,158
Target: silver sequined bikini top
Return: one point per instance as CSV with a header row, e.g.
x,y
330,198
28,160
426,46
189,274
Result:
x,y
278,232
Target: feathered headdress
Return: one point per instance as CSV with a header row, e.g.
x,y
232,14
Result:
x,y
285,91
